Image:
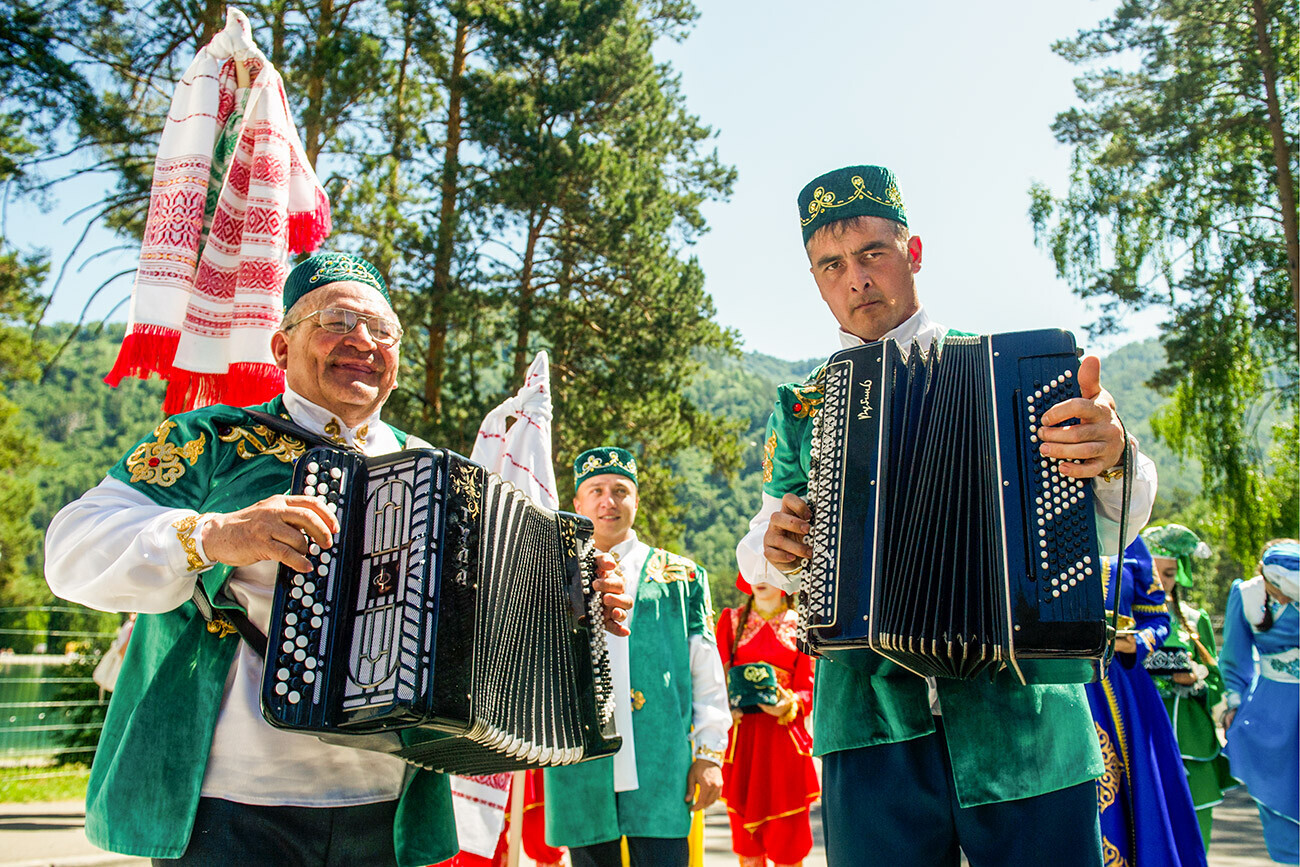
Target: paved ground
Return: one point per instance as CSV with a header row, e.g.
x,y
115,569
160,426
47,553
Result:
x,y
50,835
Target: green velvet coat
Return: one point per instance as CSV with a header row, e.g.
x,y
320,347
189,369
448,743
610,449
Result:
x,y
582,808
149,767
1005,740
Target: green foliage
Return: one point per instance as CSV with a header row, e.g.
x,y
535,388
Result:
x,y
1182,197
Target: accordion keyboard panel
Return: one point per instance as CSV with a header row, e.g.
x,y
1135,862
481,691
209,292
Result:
x,y
942,537
451,610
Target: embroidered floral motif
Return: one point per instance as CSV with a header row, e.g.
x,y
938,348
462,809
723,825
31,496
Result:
x,y
1111,855
1288,666
1108,785
754,674
824,200
334,432
809,396
283,448
594,464
665,568
185,534
769,455
159,463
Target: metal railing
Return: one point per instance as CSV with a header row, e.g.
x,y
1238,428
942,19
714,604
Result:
x,y
51,709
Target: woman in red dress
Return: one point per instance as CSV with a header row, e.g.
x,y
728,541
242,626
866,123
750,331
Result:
x,y
768,778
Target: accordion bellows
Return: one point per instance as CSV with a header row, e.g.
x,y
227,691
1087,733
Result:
x,y
942,538
452,614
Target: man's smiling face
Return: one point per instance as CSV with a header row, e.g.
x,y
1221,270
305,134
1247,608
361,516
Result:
x,y
610,501
864,268
350,374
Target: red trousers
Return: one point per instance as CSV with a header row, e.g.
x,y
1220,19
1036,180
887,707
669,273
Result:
x,y
786,840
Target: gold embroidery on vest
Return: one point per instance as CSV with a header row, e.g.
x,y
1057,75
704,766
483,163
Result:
x,y
808,397
769,456
638,699
220,626
185,534
159,463
361,434
334,432
285,449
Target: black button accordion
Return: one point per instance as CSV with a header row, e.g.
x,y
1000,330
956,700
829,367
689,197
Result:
x,y
942,538
452,617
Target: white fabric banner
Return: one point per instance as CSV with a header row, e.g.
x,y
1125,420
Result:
x,y
521,455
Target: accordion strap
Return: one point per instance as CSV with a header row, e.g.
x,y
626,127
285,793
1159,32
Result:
x,y
1129,459
221,621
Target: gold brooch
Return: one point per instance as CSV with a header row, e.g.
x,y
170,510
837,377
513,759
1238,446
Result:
x,y
638,699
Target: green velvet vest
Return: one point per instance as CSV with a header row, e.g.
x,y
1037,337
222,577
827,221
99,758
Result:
x,y
582,808
153,750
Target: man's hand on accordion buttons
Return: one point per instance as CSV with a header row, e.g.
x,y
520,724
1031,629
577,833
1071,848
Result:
x,y
708,777
783,543
277,528
1097,441
609,583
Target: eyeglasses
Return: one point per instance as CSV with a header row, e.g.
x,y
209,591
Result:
x,y
383,330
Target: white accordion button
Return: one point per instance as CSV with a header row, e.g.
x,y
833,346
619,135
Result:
x,y
301,641
295,593
291,618
315,623
294,697
313,467
281,688
311,662
322,570
282,674
318,608
290,632
300,655
313,549
306,601
335,472
309,587
287,647
325,557
310,481
309,677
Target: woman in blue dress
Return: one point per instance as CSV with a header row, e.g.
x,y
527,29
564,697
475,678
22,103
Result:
x,y
1147,817
1264,701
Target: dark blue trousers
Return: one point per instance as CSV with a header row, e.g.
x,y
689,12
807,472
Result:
x,y
645,852
227,833
894,804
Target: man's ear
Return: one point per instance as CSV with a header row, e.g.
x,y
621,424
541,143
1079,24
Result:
x,y
280,349
914,252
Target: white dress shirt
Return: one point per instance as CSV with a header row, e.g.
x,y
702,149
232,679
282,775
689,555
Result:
x,y
710,711
114,549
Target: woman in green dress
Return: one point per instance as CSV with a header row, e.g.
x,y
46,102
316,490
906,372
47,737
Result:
x,y
1186,671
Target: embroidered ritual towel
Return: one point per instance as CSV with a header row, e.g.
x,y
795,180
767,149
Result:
x,y
233,196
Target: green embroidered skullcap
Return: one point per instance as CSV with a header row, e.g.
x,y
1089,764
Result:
x,y
326,268
603,459
753,684
1176,542
855,191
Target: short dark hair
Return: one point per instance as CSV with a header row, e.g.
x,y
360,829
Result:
x,y
839,227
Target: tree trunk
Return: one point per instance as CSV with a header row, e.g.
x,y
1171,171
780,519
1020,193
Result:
x,y
435,357
386,252
313,120
1281,153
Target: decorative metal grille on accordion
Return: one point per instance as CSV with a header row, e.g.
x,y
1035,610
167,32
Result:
x,y
942,538
452,613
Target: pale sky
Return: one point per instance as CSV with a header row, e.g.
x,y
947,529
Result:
x,y
957,98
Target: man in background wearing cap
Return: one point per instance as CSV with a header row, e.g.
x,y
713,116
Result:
x,y
667,679
186,767
912,770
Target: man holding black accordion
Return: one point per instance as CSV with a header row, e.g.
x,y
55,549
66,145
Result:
x,y
189,529
916,769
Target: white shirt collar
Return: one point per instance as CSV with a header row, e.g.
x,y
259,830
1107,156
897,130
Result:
x,y
919,326
321,421
622,549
